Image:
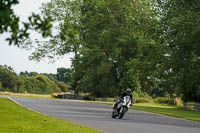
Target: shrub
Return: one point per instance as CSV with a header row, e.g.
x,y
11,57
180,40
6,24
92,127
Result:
x,y
40,84
178,102
0,86
46,85
143,100
140,95
63,86
164,100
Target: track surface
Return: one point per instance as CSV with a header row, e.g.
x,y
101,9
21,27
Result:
x,y
99,116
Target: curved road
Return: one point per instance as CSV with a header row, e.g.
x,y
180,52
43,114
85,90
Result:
x,y
99,116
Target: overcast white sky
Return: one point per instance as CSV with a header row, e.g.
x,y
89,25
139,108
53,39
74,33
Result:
x,y
18,58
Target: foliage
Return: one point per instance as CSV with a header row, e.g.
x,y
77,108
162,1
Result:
x,y
40,84
103,35
164,100
63,74
140,94
29,82
63,86
180,24
144,100
1,86
20,85
9,22
51,76
150,46
27,74
8,78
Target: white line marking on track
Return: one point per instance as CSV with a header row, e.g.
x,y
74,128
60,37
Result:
x,y
25,107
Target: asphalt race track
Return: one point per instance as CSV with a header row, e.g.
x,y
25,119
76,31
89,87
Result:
x,y
99,116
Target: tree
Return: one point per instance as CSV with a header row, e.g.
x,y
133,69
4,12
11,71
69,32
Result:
x,y
1,88
103,35
9,22
40,84
63,86
180,24
51,76
20,85
8,78
150,46
26,74
29,82
64,75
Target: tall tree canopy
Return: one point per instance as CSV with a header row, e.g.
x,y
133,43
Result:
x,y
104,36
64,75
180,34
151,46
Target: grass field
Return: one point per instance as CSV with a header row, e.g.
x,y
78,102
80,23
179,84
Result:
x,y
25,95
168,110
15,119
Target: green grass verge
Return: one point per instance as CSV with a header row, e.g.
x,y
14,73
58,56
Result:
x,y
16,119
25,95
168,110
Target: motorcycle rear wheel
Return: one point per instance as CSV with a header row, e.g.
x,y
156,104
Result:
x,y
114,114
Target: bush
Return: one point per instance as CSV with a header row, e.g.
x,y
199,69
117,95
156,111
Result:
x,y
143,100
178,102
63,86
0,86
46,85
140,95
40,84
164,100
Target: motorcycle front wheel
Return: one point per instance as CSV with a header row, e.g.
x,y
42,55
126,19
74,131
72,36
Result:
x,y
121,114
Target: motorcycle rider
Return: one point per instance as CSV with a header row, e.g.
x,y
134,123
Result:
x,y
128,92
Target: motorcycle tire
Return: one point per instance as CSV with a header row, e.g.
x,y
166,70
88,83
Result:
x,y
122,113
114,114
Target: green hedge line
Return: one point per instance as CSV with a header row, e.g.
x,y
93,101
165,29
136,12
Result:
x,y
165,100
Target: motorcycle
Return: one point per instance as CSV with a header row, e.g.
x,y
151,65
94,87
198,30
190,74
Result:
x,y
121,108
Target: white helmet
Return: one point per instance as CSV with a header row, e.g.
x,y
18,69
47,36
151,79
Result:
x,y
128,90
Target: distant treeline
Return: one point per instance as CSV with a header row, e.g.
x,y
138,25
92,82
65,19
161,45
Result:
x,y
33,82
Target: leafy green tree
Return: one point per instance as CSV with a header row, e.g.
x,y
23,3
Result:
x,y
51,76
8,78
28,82
25,74
46,85
149,46
20,85
1,88
40,84
9,22
63,86
180,24
32,85
103,35
63,74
